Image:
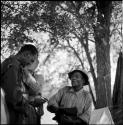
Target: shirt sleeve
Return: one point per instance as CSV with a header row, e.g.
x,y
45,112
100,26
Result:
x,y
85,115
33,84
55,99
12,87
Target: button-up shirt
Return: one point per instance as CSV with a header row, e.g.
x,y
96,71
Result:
x,y
68,98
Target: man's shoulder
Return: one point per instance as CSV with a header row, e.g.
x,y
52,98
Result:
x,y
86,93
66,87
10,62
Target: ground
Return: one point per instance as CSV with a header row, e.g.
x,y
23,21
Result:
x,y
47,117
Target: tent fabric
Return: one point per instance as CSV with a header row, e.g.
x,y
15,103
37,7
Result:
x,y
4,111
117,114
101,116
117,98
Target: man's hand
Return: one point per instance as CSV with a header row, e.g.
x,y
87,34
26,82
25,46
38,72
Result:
x,y
37,101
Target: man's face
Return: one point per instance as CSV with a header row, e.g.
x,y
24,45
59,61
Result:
x,y
77,80
34,64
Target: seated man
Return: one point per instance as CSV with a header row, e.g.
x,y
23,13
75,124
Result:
x,y
72,104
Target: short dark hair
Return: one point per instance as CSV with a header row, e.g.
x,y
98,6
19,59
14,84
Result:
x,y
29,47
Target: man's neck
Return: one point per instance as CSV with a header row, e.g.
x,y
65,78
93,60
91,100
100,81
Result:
x,y
76,89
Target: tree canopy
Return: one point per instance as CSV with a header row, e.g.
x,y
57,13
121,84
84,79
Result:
x,y
85,29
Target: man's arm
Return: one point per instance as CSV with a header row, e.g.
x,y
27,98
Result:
x,y
13,90
54,101
32,83
85,115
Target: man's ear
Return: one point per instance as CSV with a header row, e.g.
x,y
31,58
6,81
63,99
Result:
x,y
83,79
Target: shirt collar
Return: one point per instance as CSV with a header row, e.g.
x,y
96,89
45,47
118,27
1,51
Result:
x,y
72,90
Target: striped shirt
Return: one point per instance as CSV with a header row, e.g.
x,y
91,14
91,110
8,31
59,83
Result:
x,y
68,98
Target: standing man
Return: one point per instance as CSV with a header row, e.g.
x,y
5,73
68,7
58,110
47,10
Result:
x,y
12,82
72,104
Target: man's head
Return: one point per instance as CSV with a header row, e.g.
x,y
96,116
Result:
x,y
29,48
78,78
29,56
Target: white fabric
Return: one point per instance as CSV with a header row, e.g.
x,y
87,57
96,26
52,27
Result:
x,y
101,116
4,111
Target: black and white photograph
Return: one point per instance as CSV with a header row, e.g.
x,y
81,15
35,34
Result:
x,y
62,62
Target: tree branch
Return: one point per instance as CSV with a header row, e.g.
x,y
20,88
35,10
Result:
x,y
75,53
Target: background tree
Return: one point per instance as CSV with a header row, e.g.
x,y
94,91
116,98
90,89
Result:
x,y
71,25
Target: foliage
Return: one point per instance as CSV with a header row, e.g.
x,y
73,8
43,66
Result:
x,y
69,24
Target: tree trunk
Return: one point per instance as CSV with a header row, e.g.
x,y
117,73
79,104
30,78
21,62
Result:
x,y
103,87
101,35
